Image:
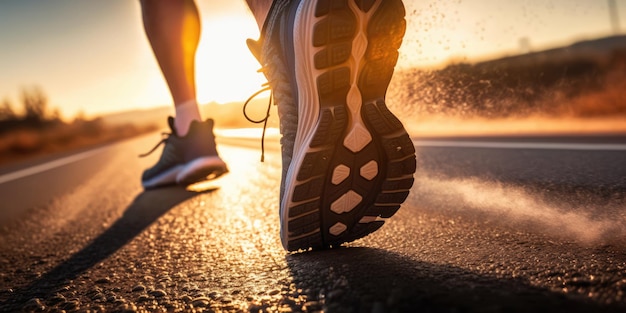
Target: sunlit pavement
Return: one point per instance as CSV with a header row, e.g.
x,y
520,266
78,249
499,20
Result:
x,y
457,245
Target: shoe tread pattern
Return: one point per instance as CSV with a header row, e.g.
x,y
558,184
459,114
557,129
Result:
x,y
391,148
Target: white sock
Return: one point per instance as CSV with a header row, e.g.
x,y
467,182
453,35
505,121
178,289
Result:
x,y
186,112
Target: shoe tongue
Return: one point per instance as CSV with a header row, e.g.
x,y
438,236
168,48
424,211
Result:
x,y
255,48
170,122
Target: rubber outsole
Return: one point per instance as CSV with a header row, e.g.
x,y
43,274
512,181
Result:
x,y
201,169
353,161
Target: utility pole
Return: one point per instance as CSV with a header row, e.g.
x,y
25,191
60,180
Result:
x,y
614,17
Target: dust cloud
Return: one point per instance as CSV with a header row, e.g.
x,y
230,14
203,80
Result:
x,y
591,221
465,71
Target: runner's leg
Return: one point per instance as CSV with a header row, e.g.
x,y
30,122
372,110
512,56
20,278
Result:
x,y
173,29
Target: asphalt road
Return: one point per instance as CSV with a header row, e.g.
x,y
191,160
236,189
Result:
x,y
492,225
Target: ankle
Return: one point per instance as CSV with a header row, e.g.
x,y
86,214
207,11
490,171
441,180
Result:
x,y
186,113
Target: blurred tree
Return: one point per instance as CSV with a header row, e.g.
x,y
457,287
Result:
x,y
35,104
56,115
80,117
6,111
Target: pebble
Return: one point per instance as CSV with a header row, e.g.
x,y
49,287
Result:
x,y
285,309
104,280
97,296
139,288
120,301
158,293
579,282
143,298
126,308
70,305
100,299
201,302
228,308
56,299
171,306
213,295
35,304
255,308
274,292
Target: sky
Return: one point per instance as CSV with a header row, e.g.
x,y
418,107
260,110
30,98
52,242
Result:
x,y
92,56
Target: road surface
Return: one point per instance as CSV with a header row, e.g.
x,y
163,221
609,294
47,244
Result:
x,y
491,225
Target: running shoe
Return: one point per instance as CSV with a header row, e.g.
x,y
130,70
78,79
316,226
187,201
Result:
x,y
348,162
185,160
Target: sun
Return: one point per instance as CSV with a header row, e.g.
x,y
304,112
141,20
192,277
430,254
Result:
x,y
226,71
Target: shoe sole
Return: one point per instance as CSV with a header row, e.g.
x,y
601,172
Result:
x,y
200,169
353,161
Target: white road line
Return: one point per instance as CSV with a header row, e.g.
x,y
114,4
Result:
x,y
420,143
48,166
520,145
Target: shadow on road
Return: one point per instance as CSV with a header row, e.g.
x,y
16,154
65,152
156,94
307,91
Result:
x,y
375,280
145,209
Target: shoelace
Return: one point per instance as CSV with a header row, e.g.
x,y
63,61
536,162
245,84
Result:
x,y
165,136
265,88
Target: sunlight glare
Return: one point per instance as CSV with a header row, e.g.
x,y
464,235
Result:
x,y
226,71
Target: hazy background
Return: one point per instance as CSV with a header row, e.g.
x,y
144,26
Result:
x,y
92,56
